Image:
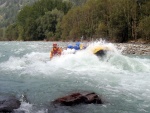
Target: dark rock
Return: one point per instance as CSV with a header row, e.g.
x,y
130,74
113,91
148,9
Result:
x,y
18,111
8,103
78,98
92,98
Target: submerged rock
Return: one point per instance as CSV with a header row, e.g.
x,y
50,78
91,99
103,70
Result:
x,y
78,98
8,103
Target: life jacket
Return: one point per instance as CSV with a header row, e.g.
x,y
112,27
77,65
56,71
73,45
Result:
x,y
55,51
81,46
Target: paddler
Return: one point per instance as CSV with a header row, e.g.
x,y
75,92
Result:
x,y
56,51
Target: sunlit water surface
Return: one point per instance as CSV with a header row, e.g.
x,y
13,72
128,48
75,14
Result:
x,y
123,81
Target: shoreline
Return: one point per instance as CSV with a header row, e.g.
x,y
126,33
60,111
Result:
x,y
137,49
127,48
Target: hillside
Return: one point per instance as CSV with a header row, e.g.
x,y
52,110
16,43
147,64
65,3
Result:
x,y
9,10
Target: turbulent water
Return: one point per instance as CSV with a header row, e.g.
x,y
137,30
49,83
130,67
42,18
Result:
x,y
122,81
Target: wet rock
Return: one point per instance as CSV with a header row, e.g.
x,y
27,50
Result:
x,y
8,103
19,111
92,98
78,98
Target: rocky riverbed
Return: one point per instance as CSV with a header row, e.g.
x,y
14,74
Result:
x,y
137,49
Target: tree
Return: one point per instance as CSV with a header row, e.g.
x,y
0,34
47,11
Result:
x,y
12,32
144,28
1,33
80,21
39,21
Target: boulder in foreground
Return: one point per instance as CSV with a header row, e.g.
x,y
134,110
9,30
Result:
x,y
8,103
79,98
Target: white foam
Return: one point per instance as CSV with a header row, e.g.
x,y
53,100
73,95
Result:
x,y
130,64
18,51
17,63
26,107
83,61
30,108
13,63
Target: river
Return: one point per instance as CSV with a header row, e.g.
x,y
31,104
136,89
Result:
x,y
122,80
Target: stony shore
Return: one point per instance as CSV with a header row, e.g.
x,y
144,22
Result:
x,y
137,49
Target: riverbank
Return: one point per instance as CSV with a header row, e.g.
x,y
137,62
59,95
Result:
x,y
127,48
137,49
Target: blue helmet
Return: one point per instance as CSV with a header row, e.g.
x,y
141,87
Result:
x,y
77,43
70,46
76,47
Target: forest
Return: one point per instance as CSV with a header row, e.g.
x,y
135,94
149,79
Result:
x,y
65,20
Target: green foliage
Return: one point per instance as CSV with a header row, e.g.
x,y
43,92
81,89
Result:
x,y
39,21
144,28
80,21
12,32
1,34
78,2
101,29
114,20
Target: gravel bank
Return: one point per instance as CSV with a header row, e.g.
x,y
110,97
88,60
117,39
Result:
x,y
138,49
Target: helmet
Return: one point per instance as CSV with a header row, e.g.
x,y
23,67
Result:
x,y
77,43
76,47
54,44
70,46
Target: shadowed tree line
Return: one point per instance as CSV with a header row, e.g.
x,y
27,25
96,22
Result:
x,y
114,20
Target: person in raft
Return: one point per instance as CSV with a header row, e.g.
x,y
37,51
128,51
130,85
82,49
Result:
x,y
56,51
78,46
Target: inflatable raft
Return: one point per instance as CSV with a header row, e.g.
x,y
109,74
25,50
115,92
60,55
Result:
x,y
100,50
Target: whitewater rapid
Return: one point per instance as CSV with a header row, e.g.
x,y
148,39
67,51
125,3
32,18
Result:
x,y
123,80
